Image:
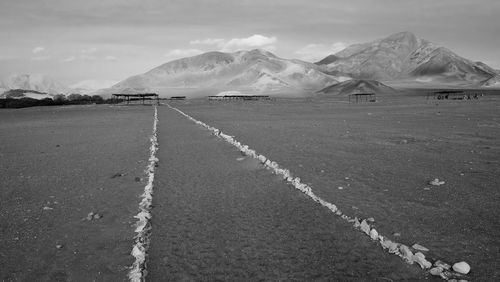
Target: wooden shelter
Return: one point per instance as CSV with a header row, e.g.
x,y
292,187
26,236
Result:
x,y
239,97
138,97
362,97
454,95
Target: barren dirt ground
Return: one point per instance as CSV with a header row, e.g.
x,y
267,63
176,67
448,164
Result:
x,y
383,155
63,159
220,216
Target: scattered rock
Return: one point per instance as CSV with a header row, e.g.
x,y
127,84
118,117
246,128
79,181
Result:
x,y
420,248
420,259
357,224
442,264
47,208
370,219
365,227
97,216
461,267
240,159
90,216
436,271
59,246
388,244
406,253
396,234
436,182
340,187
373,234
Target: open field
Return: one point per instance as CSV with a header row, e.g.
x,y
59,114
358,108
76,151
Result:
x,y
218,215
383,155
56,166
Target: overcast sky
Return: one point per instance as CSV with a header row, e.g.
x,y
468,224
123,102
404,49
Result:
x,y
75,40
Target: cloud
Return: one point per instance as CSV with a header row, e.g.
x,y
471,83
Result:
x,y
68,59
38,49
254,41
316,52
110,58
181,53
235,44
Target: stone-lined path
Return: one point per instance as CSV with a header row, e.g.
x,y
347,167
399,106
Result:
x,y
220,216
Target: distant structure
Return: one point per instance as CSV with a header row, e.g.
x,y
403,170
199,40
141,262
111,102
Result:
x,y
239,97
454,95
178,98
138,97
362,97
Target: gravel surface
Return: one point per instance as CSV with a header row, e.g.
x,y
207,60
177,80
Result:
x,y
220,216
376,159
57,165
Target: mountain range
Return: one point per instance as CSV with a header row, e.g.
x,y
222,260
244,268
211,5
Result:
x,y
250,72
401,59
35,82
407,58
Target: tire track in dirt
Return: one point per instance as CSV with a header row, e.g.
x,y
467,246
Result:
x,y
398,249
138,270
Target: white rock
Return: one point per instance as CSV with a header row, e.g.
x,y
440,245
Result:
x,y
461,267
365,227
373,234
420,259
436,271
420,248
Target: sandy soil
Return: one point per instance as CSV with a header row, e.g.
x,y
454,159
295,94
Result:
x,y
63,159
220,216
383,155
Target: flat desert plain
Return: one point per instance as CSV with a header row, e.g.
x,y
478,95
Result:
x,y
219,215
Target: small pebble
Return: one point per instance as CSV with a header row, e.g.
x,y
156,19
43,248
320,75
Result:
x,y
59,246
47,208
373,234
370,219
442,264
365,227
420,248
461,267
396,234
340,188
436,271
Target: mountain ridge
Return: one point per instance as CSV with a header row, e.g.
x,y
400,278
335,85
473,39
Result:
x,y
254,71
405,56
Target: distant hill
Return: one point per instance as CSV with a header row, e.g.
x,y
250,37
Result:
x,y
403,56
33,82
24,93
357,86
252,72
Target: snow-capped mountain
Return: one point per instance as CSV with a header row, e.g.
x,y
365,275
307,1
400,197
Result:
x,y
254,71
36,82
403,56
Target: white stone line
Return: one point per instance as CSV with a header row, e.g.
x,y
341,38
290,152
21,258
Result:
x,y
138,270
395,248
